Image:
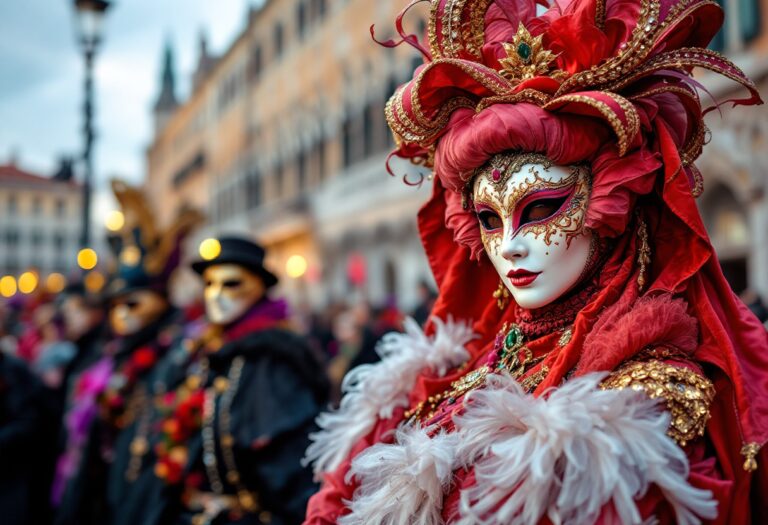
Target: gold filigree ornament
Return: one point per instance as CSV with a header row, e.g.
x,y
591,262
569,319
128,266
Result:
x,y
687,394
527,58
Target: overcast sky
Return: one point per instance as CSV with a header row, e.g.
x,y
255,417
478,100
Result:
x,y
41,76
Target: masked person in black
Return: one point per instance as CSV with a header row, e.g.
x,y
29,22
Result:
x,y
109,418
85,325
234,433
26,424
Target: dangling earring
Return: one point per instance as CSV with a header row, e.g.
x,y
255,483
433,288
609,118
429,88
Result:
x,y
643,253
501,295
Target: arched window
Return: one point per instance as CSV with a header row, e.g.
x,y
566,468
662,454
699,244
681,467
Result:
x,y
301,20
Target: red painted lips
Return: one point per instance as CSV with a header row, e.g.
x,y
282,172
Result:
x,y
521,278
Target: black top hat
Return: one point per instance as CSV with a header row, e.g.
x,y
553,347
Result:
x,y
243,252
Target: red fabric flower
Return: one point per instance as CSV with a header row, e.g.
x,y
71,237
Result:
x,y
144,358
184,410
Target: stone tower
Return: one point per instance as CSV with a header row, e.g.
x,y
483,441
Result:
x,y
166,102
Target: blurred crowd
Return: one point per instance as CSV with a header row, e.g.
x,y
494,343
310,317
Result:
x,y
76,441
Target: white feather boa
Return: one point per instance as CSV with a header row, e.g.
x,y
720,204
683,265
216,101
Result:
x,y
402,483
564,456
374,391
568,455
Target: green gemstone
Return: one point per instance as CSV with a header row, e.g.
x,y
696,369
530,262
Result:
x,y
524,51
513,337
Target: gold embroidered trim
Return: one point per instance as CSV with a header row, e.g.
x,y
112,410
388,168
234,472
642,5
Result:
x,y
423,130
526,95
458,35
633,53
686,393
625,134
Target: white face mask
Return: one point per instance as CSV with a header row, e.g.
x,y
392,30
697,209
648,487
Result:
x,y
531,217
230,290
124,322
135,310
77,318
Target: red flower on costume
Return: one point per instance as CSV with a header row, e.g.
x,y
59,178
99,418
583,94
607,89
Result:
x,y
185,415
113,399
143,359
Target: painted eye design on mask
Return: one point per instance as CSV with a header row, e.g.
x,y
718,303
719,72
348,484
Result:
x,y
232,283
489,219
541,206
541,209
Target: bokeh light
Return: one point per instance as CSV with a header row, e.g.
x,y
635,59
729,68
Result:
x,y
28,282
210,249
87,259
295,266
115,220
55,282
94,282
8,286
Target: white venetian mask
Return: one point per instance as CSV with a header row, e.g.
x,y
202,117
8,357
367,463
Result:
x,y
531,215
230,290
135,310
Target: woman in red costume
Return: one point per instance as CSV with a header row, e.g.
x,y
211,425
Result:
x,y
586,362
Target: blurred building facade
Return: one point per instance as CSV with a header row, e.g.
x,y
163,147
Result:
x,y
283,138
39,220
734,204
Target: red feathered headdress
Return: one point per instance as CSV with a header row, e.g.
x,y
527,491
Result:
x,y
607,82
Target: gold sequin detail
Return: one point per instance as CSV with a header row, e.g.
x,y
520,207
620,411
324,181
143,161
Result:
x,y
686,393
625,133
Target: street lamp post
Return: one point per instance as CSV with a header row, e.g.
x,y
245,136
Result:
x,y
90,14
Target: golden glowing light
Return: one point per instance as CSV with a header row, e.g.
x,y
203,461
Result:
x,y
115,220
94,282
27,282
130,256
8,286
210,249
295,266
55,282
87,259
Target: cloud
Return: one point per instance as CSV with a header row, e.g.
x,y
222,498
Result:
x,y
41,86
